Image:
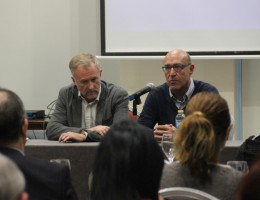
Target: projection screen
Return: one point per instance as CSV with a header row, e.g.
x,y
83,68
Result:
x,y
201,27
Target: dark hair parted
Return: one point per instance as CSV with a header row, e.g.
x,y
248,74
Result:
x,y
202,133
128,164
11,116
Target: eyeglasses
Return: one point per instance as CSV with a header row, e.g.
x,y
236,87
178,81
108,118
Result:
x,y
176,67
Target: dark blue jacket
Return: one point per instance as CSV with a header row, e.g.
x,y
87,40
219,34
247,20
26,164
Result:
x,y
44,180
160,108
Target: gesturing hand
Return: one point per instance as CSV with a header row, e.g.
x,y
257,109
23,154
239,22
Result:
x,y
162,129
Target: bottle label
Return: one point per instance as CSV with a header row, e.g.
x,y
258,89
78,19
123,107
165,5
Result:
x,y
177,123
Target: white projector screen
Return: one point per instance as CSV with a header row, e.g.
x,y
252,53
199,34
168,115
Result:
x,y
201,27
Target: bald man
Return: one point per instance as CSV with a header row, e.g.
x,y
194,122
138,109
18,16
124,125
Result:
x,y
162,104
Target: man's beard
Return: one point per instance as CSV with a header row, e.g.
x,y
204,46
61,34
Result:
x,y
91,95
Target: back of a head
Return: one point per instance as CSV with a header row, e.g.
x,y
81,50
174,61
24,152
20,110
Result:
x,y
194,144
12,183
215,109
202,134
128,164
11,116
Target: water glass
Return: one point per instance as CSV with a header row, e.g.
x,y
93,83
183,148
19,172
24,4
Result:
x,y
239,165
167,146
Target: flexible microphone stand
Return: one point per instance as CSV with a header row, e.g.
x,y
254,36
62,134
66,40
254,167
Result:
x,y
136,102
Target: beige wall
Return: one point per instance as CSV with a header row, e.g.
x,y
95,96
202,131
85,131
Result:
x,y
251,97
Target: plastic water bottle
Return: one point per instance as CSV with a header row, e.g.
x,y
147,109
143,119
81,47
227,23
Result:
x,y
179,117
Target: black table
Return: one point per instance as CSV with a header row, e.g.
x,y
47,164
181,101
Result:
x,y
81,156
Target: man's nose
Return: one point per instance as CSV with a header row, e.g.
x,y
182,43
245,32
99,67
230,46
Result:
x,y
91,85
172,72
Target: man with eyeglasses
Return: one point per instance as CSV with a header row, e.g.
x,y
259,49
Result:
x,y
162,104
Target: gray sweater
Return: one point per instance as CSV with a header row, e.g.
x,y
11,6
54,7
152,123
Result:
x,y
223,185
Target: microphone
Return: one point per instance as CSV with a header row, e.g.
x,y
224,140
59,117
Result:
x,y
148,88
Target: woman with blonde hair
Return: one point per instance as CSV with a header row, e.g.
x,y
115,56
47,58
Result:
x,y
197,146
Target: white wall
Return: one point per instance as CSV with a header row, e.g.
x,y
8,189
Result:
x,y
38,38
251,97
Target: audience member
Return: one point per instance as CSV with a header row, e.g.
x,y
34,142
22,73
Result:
x,y
162,103
85,109
197,145
249,187
249,150
128,164
12,183
44,180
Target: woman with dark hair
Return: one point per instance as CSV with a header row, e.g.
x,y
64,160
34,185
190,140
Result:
x,y
197,146
128,164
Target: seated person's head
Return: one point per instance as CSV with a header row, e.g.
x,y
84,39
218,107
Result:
x,y
202,133
128,164
12,118
215,109
12,182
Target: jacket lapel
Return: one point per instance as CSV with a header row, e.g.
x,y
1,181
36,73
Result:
x,y
101,105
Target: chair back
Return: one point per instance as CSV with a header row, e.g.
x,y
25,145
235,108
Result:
x,y
185,192
131,115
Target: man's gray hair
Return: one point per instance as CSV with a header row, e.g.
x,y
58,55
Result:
x,y
12,183
84,59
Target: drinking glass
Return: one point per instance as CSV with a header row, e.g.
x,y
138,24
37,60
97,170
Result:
x,y
239,165
62,161
167,146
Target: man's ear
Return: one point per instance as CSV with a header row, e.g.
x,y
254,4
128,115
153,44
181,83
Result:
x,y
73,79
192,67
25,128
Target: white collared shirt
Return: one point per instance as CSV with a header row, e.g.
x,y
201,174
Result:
x,y
181,104
89,112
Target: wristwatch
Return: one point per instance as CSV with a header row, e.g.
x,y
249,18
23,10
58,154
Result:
x,y
84,132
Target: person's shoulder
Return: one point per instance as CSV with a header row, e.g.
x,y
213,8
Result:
x,y
157,93
172,168
67,87
174,174
201,86
44,166
110,85
111,88
229,172
198,82
12,153
68,90
163,88
40,173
